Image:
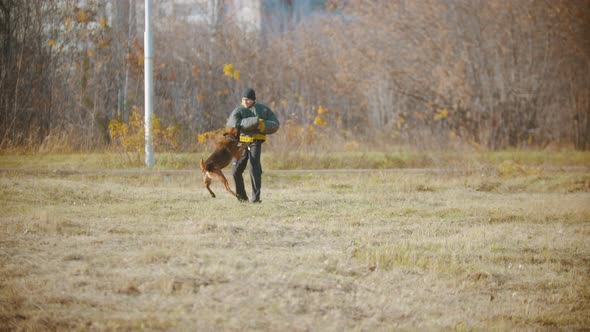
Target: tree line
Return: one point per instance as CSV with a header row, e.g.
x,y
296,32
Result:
x,y
431,74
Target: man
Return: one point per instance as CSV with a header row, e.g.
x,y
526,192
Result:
x,y
254,121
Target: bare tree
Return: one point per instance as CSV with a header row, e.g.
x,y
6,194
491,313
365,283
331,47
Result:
x,y
429,73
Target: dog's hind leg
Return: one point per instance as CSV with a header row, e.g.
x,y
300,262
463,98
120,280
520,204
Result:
x,y
207,183
206,178
217,173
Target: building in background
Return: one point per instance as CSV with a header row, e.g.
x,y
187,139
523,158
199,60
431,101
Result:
x,y
253,16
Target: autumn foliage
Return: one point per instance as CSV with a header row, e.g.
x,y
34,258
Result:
x,y
362,74
129,137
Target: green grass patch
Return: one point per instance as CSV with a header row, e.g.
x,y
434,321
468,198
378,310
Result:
x,y
504,163
411,257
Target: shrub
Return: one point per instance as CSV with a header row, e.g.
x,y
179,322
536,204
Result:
x,y
129,138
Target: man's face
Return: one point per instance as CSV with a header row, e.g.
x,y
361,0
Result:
x,y
247,103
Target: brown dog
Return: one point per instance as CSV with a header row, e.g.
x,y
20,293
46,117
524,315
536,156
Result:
x,y
229,148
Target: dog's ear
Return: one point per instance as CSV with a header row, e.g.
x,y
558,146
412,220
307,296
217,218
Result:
x,y
233,131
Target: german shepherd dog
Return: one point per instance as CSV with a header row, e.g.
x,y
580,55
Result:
x,y
229,148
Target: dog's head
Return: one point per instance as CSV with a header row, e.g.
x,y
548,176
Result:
x,y
232,132
233,135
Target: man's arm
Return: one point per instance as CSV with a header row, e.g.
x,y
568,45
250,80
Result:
x,y
270,122
234,119
249,124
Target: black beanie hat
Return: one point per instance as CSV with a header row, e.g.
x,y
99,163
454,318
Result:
x,y
249,93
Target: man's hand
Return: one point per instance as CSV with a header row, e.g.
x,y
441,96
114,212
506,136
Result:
x,y
261,126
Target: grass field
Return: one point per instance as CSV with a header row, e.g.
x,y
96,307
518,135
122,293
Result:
x,y
507,248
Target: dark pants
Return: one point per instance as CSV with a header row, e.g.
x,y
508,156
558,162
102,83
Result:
x,y
252,153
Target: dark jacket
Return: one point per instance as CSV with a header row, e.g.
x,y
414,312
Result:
x,y
247,119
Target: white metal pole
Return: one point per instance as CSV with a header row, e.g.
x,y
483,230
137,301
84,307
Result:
x,y
149,86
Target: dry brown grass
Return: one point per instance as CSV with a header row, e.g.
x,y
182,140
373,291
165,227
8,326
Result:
x,y
326,251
